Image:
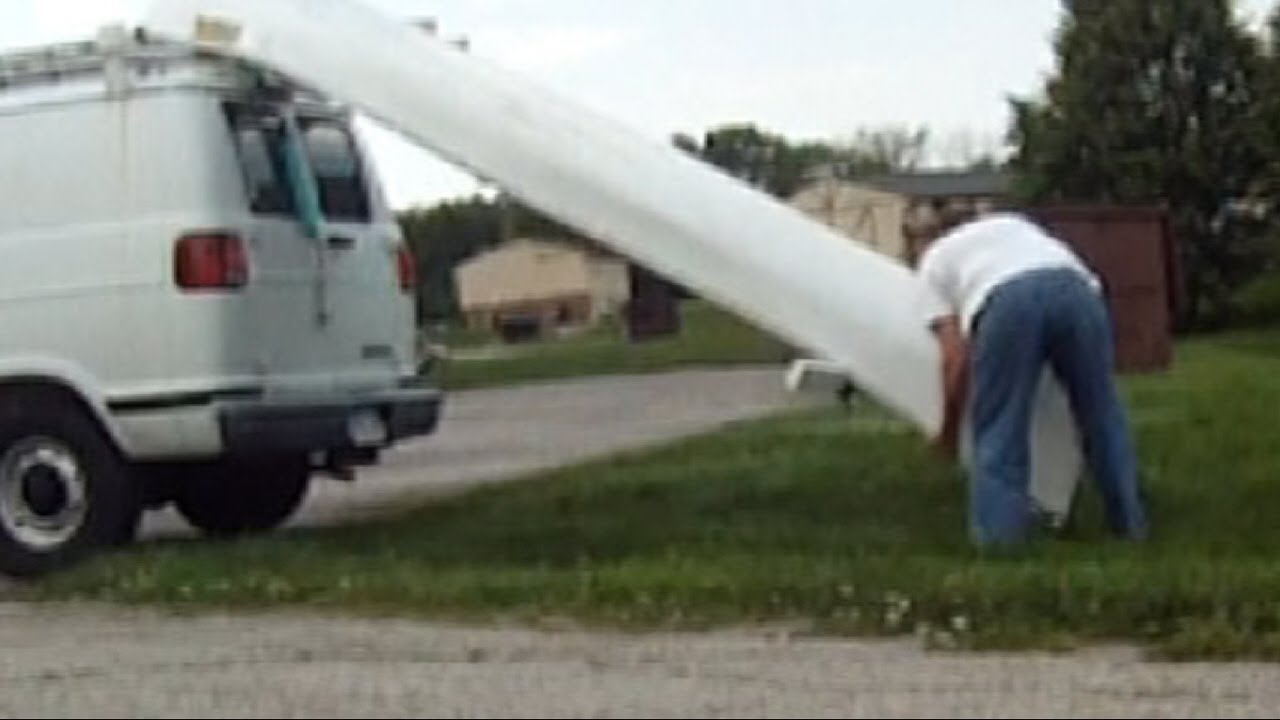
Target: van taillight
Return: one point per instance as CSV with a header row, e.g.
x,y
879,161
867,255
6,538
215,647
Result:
x,y
408,267
211,261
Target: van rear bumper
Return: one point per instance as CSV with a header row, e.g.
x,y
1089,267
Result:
x,y
358,424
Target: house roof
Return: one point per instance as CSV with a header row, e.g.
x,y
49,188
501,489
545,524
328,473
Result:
x,y
941,183
526,245
542,245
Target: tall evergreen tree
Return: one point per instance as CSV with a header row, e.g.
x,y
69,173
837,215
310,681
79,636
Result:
x,y
1154,101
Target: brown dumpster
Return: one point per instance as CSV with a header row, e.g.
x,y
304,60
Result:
x,y
1133,252
653,310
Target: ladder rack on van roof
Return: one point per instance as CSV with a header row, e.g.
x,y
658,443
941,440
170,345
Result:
x,y
55,62
50,62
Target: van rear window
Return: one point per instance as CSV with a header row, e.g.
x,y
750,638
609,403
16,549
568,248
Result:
x,y
260,141
260,135
344,195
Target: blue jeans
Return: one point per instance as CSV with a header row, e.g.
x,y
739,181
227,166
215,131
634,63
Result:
x,y
1054,317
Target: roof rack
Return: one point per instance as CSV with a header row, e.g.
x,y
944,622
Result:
x,y
62,59
118,46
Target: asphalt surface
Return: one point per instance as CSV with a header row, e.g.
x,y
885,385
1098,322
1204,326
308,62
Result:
x,y
495,435
73,661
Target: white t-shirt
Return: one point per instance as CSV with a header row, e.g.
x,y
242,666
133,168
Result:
x,y
962,268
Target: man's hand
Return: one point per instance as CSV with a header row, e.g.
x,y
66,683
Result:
x,y
955,383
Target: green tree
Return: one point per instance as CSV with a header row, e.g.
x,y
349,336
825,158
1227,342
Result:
x,y
752,155
892,149
443,236
1268,133
1153,102
448,234
780,166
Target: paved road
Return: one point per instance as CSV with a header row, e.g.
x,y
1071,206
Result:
x,y
493,435
61,662
65,661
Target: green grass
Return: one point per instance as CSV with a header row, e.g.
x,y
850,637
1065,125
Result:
x,y
1259,301
709,336
456,336
839,524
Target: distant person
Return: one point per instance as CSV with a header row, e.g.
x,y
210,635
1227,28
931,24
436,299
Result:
x,y
1005,300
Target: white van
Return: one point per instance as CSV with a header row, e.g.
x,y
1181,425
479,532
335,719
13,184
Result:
x,y
204,298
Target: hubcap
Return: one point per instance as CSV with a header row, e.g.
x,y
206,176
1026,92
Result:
x,y
42,493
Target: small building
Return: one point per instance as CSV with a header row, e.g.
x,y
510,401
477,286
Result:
x,y
1134,253
533,287
857,210
879,210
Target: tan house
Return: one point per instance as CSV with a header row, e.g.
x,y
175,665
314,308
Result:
x,y
542,285
860,211
879,210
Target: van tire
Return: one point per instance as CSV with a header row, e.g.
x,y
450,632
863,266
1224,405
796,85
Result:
x,y
51,453
242,497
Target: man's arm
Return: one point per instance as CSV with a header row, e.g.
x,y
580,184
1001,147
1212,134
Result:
x,y
955,381
939,307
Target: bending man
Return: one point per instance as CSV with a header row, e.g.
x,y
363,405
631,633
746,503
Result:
x,y
1005,299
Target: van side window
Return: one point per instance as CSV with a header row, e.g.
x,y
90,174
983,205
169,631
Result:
x,y
344,195
259,141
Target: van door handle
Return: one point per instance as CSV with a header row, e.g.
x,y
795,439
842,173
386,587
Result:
x,y
341,242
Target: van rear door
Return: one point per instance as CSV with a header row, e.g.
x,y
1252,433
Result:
x,y
329,310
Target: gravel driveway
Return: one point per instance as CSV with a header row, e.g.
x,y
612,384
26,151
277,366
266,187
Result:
x,y
65,661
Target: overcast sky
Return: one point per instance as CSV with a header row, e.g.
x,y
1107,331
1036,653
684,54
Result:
x,y
806,68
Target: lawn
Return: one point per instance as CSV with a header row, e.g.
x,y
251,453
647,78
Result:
x,y
708,336
839,524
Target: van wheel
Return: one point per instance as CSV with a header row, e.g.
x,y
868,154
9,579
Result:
x,y
242,497
64,491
